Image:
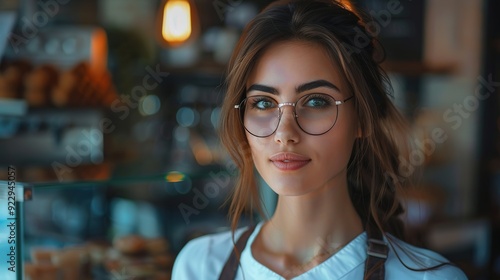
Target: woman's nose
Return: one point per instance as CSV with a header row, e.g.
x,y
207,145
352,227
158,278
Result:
x,y
287,131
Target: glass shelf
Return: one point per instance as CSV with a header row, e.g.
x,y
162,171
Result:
x,y
64,214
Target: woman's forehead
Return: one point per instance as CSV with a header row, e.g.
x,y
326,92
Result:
x,y
293,63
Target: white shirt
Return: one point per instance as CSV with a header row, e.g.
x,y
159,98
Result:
x,y
204,257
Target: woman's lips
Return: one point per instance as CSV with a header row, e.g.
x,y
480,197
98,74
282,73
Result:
x,y
289,161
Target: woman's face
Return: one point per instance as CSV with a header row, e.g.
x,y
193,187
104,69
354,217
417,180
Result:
x,y
291,161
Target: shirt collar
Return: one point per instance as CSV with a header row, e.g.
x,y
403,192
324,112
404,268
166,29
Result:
x,y
342,262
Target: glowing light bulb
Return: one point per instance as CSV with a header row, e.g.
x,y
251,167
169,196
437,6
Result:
x,y
176,24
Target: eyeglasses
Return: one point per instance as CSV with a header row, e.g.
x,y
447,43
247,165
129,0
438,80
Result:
x,y
314,113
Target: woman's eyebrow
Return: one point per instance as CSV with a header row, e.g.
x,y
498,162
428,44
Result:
x,y
263,88
316,84
301,88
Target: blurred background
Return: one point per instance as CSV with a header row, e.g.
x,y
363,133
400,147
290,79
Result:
x,y
109,110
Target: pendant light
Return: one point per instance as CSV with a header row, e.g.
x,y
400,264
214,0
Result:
x,y
177,22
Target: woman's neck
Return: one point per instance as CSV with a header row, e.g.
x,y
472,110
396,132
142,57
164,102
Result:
x,y
305,230
305,221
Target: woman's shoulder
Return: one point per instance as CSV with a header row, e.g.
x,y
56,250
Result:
x,y
411,262
205,255
216,244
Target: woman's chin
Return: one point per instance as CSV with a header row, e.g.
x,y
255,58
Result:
x,y
291,189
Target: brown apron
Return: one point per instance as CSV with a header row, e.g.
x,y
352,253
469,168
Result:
x,y
374,265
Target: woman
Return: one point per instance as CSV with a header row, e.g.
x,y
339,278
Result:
x,y
307,107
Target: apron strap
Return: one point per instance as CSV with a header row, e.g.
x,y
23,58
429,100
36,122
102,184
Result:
x,y
377,254
231,267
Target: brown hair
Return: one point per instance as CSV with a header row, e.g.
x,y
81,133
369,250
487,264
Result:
x,y
375,158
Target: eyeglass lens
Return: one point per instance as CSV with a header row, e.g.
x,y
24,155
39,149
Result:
x,y
315,114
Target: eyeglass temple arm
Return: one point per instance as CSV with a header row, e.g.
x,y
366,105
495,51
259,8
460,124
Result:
x,y
350,97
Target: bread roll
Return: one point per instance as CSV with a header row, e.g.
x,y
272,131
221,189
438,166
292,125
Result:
x,y
131,244
13,78
157,245
38,85
6,89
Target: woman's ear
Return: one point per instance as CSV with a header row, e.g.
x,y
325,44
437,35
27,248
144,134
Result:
x,y
359,133
363,133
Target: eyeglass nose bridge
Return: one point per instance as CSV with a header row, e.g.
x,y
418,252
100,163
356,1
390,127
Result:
x,y
293,104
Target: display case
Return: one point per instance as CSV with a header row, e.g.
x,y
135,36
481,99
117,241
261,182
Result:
x,y
98,204
108,184
115,191
111,229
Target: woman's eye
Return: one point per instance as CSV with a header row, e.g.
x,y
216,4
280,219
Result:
x,y
318,102
263,104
